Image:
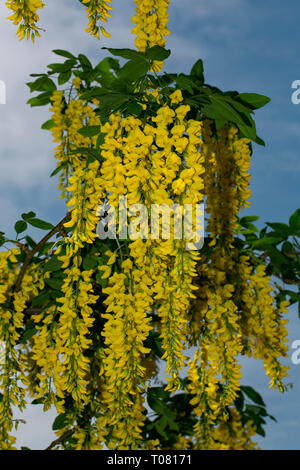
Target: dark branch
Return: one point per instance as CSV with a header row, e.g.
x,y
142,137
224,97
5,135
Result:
x,y
59,440
37,247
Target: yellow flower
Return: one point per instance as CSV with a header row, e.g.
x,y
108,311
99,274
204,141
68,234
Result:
x,y
176,97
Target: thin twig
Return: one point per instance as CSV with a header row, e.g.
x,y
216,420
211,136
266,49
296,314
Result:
x,y
59,440
37,247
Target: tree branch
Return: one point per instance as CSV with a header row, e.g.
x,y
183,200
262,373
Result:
x,y
37,247
60,439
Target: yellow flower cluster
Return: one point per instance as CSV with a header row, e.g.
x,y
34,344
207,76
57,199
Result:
x,y
127,327
157,162
233,434
86,190
264,329
234,312
97,10
227,179
12,306
60,347
151,21
68,119
25,15
222,305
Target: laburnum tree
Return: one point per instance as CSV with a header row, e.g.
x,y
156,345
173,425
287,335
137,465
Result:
x,y
104,330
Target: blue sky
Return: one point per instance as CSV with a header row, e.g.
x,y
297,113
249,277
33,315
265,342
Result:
x,y
246,45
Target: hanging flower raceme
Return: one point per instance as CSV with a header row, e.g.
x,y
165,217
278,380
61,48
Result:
x,y
63,340
25,15
154,163
13,379
264,329
233,434
151,21
231,315
68,118
86,190
70,338
97,10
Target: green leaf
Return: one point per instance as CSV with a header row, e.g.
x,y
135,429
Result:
x,y
160,426
65,67
41,100
158,393
282,229
265,242
41,299
125,53
198,71
185,82
287,248
154,342
54,283
100,140
239,401
100,281
43,83
256,410
2,238
251,228
20,226
107,64
248,218
53,264
253,99
220,107
259,141
38,223
157,53
48,125
84,61
30,241
89,131
60,422
90,262
58,168
28,215
38,401
295,222
27,335
134,109
95,92
91,153
253,395
113,100
64,77
163,80
133,70
277,258
63,53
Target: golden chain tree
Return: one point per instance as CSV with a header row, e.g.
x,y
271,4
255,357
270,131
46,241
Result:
x,y
87,321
